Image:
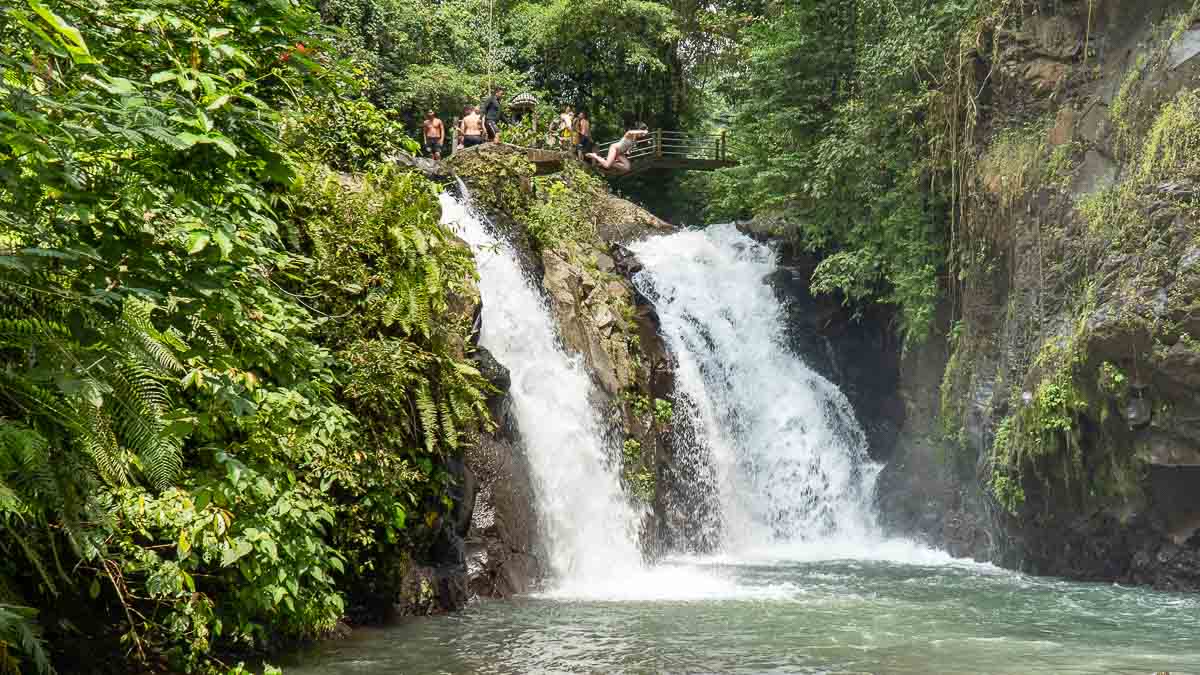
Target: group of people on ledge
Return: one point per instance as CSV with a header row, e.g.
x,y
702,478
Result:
x,y
475,128
574,130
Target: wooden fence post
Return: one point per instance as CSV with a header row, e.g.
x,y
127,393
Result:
x,y
721,152
453,136
658,149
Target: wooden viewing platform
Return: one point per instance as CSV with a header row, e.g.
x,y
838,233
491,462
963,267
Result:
x,y
660,150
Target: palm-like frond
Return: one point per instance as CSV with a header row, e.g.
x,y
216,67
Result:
x,y
21,643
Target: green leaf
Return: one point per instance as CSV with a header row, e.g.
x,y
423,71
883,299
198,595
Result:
x,y
223,243
118,86
197,240
225,144
50,44
189,139
74,39
94,589
163,76
232,555
220,101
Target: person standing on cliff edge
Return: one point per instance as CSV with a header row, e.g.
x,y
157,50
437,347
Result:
x,y
491,114
470,128
583,134
435,133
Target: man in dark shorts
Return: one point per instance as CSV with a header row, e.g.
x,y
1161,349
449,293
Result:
x,y
491,114
471,128
435,133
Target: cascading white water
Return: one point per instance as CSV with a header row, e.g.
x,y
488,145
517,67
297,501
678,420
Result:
x,y
589,526
788,454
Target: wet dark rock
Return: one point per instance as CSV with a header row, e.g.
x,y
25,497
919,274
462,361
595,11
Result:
x,y
426,590
463,492
625,262
432,169
1137,412
858,354
496,374
501,559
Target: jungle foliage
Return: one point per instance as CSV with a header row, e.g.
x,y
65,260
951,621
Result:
x,y
228,385
842,150
622,60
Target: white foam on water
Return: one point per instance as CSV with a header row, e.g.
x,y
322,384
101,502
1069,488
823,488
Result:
x,y
669,582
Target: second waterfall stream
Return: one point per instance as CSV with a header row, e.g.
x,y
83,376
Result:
x,y
784,454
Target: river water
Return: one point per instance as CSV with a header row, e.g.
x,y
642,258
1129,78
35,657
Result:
x,y
788,572
776,616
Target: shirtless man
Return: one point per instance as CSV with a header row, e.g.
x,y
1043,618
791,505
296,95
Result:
x,y
470,128
434,132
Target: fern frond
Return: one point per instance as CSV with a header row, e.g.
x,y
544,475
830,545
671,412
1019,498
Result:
x,y
460,407
433,279
401,240
418,239
203,331
37,401
25,469
448,431
138,404
29,332
100,443
428,412
175,339
19,632
137,334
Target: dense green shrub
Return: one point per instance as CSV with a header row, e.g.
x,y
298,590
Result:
x,y
345,133
205,364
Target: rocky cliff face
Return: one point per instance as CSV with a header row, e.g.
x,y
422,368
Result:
x,y
602,317
1066,439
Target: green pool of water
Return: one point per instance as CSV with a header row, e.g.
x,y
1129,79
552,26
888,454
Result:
x,y
794,617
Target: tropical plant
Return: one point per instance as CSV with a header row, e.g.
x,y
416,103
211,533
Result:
x,y
190,361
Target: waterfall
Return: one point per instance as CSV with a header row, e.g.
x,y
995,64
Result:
x,y
589,528
788,457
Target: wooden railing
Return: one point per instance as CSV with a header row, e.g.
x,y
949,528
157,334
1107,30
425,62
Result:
x,y
676,148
